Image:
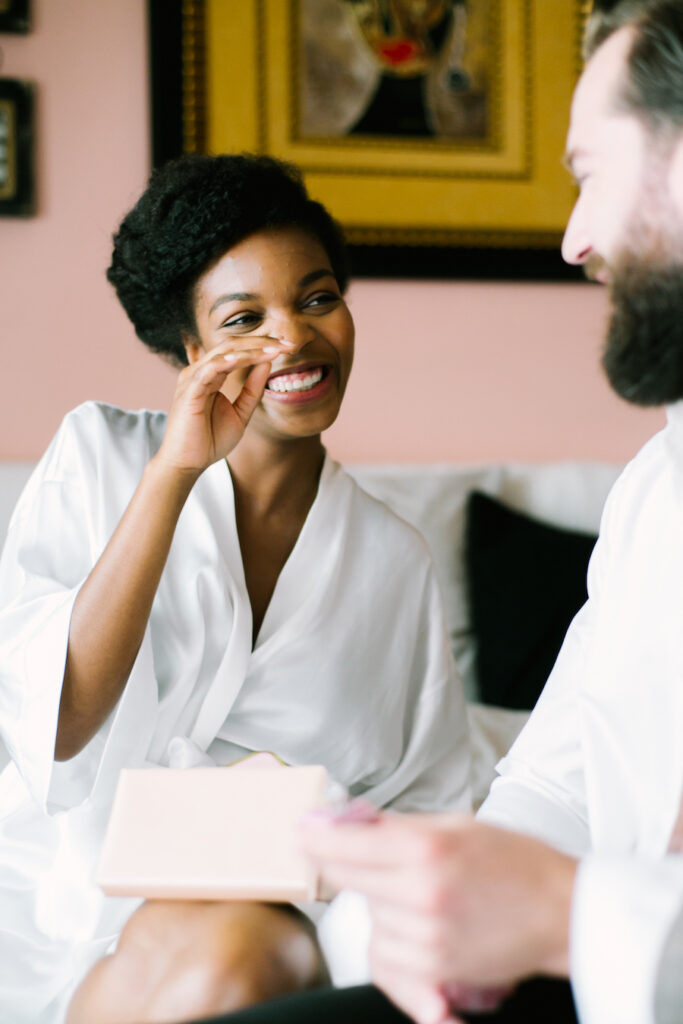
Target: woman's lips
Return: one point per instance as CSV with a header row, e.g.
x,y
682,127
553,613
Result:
x,y
301,385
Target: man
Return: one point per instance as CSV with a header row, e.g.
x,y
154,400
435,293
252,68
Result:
x,y
573,867
598,772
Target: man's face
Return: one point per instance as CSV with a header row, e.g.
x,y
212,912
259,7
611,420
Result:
x,y
627,230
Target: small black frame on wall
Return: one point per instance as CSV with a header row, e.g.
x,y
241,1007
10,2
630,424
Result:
x,y
15,16
16,148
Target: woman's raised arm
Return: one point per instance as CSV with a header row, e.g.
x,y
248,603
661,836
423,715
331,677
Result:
x,y
112,609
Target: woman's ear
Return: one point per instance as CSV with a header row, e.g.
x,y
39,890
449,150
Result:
x,y
193,347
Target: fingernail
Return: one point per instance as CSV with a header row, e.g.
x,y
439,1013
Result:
x,y
315,818
352,811
270,350
230,357
432,1010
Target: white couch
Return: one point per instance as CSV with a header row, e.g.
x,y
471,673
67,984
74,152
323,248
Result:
x,y
433,498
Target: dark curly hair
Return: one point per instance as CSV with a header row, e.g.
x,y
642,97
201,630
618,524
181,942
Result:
x,y
193,210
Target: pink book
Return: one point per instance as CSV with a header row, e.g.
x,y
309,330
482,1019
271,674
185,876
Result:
x,y
211,833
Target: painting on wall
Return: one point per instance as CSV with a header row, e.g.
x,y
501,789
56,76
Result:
x,y
432,129
394,71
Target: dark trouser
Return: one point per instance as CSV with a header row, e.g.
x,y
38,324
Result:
x,y
539,1001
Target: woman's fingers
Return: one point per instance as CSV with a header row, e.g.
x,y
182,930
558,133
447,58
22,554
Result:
x,y
209,374
242,350
251,393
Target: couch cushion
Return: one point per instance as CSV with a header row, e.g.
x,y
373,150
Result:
x,y
434,498
13,477
526,580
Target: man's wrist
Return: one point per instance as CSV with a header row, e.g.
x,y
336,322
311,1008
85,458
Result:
x,y
561,879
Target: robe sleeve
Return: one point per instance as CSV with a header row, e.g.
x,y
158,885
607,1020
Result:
x,y
434,771
48,553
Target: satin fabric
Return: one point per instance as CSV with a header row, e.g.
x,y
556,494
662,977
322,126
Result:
x,y
351,669
598,770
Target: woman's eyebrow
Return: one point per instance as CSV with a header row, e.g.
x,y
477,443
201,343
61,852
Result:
x,y
314,275
234,297
309,278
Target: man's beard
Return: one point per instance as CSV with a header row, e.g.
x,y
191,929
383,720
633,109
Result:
x,y
643,355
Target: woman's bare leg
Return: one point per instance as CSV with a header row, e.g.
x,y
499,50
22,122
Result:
x,y
179,960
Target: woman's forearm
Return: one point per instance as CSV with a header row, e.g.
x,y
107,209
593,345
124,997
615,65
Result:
x,y
112,609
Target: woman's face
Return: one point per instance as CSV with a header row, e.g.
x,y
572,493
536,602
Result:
x,y
278,285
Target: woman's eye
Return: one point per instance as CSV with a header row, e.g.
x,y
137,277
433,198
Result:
x,y
243,320
322,299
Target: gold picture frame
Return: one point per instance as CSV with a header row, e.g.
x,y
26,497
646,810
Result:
x,y
501,190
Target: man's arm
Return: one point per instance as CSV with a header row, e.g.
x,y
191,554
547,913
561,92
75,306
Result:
x,y
455,904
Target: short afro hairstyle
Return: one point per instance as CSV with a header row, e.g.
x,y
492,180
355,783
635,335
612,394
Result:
x,y
193,210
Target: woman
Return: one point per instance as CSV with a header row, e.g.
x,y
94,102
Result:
x,y
188,588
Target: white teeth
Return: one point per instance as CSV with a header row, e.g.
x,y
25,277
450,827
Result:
x,y
295,381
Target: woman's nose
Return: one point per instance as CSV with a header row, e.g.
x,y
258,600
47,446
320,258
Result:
x,y
291,331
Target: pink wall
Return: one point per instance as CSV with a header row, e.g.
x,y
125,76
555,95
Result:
x,y
444,371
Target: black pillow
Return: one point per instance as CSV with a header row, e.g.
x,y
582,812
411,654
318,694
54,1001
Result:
x,y
526,580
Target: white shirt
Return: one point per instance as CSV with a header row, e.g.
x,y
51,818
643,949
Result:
x,y
598,770
351,669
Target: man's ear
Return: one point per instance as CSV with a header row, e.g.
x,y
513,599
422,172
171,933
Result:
x,y
193,347
676,174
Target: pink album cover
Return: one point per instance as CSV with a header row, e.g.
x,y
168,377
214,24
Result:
x,y
211,833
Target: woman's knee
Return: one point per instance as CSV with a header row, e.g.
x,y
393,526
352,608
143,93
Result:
x,y
177,960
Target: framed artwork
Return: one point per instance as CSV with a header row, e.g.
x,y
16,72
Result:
x,y
433,130
16,148
14,16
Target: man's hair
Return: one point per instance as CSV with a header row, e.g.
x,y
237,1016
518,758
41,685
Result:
x,y
653,85
193,210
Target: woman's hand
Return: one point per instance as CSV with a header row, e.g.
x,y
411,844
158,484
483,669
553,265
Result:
x,y
203,424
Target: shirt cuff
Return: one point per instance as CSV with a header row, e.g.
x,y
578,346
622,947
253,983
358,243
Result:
x,y
344,936
622,914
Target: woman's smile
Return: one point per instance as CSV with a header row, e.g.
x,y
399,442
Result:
x,y
301,384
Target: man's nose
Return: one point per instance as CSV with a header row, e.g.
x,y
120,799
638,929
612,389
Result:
x,y
576,245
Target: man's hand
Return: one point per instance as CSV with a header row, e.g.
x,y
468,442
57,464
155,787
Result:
x,y
461,910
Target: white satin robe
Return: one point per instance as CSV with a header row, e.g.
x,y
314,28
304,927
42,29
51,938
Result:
x,y
351,669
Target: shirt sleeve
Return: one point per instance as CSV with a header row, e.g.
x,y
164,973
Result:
x,y
626,941
541,790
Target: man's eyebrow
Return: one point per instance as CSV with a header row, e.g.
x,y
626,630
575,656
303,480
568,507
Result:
x,y
568,162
